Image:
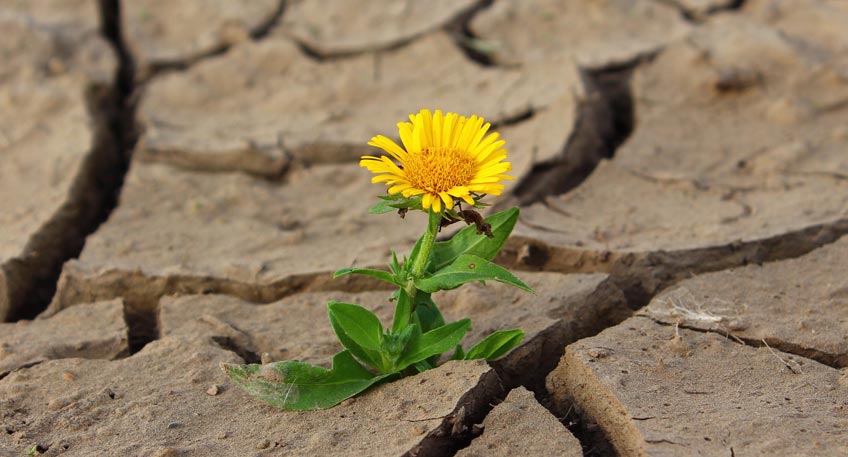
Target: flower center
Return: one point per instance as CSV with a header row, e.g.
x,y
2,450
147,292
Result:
x,y
439,169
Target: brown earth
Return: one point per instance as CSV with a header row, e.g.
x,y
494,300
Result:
x,y
180,179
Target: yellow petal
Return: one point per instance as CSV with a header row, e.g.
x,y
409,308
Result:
x,y
469,128
437,203
491,138
447,199
415,146
494,169
458,191
447,130
427,201
398,188
493,189
484,153
494,157
389,146
392,166
405,132
426,128
411,192
387,177
438,121
475,142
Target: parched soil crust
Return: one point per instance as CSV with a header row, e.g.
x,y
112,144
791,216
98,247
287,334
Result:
x,y
180,180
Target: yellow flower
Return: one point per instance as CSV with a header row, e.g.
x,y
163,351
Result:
x,y
443,157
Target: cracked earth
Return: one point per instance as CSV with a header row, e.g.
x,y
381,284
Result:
x,y
179,180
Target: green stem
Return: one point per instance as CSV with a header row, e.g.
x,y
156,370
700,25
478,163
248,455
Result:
x,y
427,244
420,261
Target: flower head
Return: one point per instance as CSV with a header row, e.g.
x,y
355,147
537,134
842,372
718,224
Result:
x,y
443,157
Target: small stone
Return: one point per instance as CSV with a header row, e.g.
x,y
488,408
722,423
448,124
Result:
x,y
266,358
263,444
69,376
223,435
348,402
174,425
599,353
214,390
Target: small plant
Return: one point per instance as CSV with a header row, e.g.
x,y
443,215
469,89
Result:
x,y
446,161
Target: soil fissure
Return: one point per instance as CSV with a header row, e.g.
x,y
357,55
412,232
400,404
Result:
x,y
832,360
94,193
605,119
182,64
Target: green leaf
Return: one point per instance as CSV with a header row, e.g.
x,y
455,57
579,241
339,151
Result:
x,y
403,311
458,353
468,268
395,265
468,241
394,203
428,314
300,386
495,345
382,207
428,317
434,342
423,366
359,331
390,197
394,343
359,323
379,274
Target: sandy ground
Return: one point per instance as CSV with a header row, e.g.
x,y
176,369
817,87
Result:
x,y
179,180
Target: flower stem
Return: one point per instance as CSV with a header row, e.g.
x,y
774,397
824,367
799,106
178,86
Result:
x,y
420,261
426,244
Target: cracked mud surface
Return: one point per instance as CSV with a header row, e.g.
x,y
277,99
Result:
x,y
180,179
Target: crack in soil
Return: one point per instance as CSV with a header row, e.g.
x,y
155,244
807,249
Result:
x,y
642,274
471,45
121,115
640,277
230,344
530,364
639,287
605,119
836,361
141,293
3,374
94,193
695,17
261,31
457,429
454,27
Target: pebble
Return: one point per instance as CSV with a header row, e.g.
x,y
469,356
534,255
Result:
x,y
213,390
263,444
599,353
174,425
